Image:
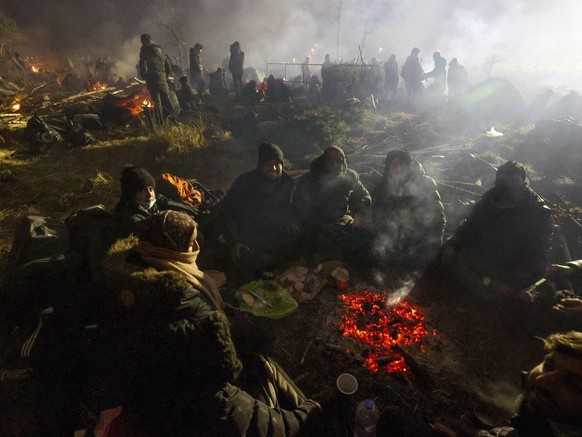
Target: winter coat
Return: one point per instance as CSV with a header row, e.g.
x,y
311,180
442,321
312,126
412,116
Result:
x,y
412,72
258,210
237,59
181,361
508,243
410,216
154,66
321,199
127,214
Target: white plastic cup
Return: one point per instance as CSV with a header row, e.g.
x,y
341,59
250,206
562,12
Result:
x,y
347,383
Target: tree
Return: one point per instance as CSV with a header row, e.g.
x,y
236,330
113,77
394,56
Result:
x,y
166,13
8,32
333,11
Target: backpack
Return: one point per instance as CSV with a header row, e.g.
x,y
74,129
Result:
x,y
191,191
42,268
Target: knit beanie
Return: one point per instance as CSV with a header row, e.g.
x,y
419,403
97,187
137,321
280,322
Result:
x,y
269,152
170,230
134,179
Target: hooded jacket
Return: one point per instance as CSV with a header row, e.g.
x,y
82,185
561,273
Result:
x,y
154,66
321,198
258,210
408,216
181,363
510,243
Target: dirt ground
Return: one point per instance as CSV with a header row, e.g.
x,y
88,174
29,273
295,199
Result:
x,y
475,350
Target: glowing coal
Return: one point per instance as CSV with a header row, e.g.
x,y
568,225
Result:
x,y
382,328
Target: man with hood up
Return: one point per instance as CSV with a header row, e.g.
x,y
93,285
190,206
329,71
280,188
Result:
x,y
260,227
502,247
408,216
236,66
178,366
329,202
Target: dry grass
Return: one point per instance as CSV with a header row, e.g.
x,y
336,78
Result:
x,y
64,180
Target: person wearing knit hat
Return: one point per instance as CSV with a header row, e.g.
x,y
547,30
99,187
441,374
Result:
x,y
139,200
260,227
408,216
327,201
503,245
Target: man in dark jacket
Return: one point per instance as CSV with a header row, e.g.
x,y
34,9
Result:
x,y
217,85
139,200
412,74
260,227
391,77
502,247
178,367
186,96
329,201
439,75
236,66
408,216
154,68
196,69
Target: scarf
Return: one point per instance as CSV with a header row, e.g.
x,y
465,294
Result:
x,y
184,263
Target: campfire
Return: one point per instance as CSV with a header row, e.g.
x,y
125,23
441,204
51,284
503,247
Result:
x,y
137,101
383,327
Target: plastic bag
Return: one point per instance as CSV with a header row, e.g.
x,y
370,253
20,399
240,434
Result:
x,y
265,299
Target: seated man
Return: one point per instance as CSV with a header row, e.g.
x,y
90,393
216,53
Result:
x,y
177,363
502,246
217,84
550,404
139,200
186,96
260,227
408,216
328,201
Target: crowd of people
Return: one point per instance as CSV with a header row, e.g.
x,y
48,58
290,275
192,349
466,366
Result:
x,y
166,351
166,345
155,68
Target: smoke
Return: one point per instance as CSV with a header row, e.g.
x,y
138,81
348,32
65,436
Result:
x,y
400,294
531,41
500,394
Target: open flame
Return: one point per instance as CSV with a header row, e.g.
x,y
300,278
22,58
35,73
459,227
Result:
x,y
34,68
98,86
15,106
384,328
137,101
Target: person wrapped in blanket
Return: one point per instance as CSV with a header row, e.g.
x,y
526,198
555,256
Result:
x,y
176,354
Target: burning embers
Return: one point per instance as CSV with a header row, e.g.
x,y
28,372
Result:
x,y
383,328
136,102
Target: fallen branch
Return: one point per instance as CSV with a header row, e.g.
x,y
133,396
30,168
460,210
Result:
x,y
305,352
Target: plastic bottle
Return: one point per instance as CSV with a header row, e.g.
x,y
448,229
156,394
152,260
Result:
x,y
366,420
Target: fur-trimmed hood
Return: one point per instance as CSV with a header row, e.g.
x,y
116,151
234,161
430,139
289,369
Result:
x,y
124,269
176,316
